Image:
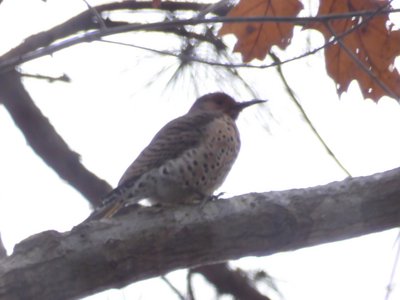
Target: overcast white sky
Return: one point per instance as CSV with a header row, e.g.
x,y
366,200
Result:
x,y
108,115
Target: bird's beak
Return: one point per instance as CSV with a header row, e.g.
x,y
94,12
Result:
x,y
242,105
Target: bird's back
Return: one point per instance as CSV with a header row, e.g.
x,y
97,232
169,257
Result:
x,y
188,158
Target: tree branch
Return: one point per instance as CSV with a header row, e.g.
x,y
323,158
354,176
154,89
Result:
x,y
30,49
3,251
46,142
152,241
229,281
296,102
84,21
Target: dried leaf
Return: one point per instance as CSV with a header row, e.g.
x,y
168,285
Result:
x,y
256,39
375,45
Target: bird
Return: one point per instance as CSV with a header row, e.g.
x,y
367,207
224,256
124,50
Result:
x,y
186,161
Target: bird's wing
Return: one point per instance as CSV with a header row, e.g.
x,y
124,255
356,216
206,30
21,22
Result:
x,y
170,142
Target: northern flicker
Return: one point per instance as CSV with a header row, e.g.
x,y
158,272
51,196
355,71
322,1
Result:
x,y
187,160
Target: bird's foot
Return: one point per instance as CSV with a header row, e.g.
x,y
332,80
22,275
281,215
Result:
x,y
216,197
211,198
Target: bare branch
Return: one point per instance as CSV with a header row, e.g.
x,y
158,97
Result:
x,y
173,288
96,14
63,78
389,287
9,61
189,285
152,241
46,142
3,251
304,114
82,22
224,4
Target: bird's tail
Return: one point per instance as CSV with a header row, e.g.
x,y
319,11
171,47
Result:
x,y
111,204
106,211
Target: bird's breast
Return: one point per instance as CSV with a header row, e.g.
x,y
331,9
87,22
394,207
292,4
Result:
x,y
200,170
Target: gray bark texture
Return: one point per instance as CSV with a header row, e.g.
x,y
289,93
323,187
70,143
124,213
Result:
x,y
148,242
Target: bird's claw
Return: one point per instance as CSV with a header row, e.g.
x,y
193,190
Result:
x,y
216,197
211,198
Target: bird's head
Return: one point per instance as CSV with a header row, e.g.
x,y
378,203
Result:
x,y
221,102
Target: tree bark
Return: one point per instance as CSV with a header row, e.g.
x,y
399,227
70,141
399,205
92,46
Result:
x,y
148,242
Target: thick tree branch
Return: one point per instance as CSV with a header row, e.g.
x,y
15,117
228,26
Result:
x,y
152,241
46,142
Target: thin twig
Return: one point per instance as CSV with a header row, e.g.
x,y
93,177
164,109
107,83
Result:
x,y
176,291
64,77
389,287
213,7
96,14
241,65
91,36
304,113
190,292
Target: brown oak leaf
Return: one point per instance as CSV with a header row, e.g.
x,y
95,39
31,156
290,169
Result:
x,y
256,39
373,47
